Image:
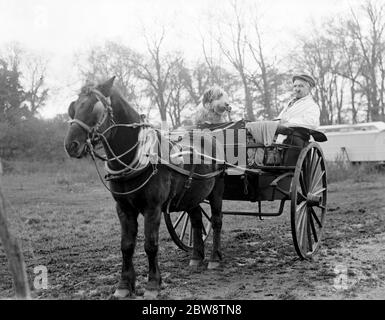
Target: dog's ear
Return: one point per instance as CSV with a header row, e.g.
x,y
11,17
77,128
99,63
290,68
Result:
x,y
71,110
208,96
105,87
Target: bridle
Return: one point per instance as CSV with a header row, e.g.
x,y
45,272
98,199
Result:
x,y
107,113
147,139
147,148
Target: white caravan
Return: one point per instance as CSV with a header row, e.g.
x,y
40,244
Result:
x,y
361,142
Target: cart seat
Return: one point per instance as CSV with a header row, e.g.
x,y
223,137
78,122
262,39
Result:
x,y
288,130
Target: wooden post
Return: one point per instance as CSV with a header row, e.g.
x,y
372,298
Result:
x,y
15,256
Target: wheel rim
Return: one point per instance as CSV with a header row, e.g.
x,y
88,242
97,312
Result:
x,y
308,201
180,228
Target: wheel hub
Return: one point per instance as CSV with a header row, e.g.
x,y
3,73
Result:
x,y
313,200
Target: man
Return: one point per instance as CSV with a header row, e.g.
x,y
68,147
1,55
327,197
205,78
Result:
x,y
302,110
213,108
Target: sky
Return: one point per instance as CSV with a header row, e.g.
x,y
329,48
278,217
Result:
x,y
58,29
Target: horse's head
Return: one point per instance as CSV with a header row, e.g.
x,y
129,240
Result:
x,y
88,116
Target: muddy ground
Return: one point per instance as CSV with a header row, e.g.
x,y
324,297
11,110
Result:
x,y
69,225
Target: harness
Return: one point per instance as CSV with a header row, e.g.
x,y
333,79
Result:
x,y
146,152
106,102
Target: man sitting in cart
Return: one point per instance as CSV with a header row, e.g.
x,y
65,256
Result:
x,y
301,110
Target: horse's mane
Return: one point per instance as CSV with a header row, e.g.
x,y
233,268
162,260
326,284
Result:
x,y
87,87
115,92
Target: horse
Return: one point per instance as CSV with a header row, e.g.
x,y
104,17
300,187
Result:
x,y
101,116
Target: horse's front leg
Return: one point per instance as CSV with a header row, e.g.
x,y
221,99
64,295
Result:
x,y
129,225
215,199
152,219
198,253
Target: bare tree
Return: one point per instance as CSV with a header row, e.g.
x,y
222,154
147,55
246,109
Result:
x,y
236,53
156,71
351,64
261,78
180,97
31,68
318,57
266,79
34,78
371,44
110,59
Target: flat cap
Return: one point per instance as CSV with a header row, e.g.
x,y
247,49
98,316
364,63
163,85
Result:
x,y
305,77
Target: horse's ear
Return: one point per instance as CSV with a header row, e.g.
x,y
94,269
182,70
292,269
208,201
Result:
x,y
105,87
71,110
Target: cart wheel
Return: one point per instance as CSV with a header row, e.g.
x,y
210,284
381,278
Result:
x,y
308,200
180,229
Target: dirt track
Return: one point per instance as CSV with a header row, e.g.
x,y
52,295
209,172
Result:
x,y
71,228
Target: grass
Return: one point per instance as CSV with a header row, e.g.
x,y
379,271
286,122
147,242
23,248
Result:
x,y
338,171
66,220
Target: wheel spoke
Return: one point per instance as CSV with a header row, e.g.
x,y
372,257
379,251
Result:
x,y
298,225
315,217
205,214
190,236
308,231
317,180
314,156
318,191
308,161
204,231
184,227
302,183
179,219
301,216
300,206
314,231
300,197
303,230
305,173
314,164
315,170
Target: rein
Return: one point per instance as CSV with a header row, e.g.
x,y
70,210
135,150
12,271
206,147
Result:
x,y
145,147
146,141
154,172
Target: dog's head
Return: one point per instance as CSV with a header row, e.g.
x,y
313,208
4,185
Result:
x,y
216,98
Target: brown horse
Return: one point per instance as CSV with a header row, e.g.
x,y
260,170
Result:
x,y
101,114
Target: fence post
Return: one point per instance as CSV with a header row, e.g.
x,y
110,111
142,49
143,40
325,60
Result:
x,y
15,257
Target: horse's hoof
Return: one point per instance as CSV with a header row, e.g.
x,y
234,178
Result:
x,y
195,263
213,265
150,294
122,293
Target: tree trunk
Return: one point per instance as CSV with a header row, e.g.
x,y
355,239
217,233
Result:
x,y
324,118
248,101
353,97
